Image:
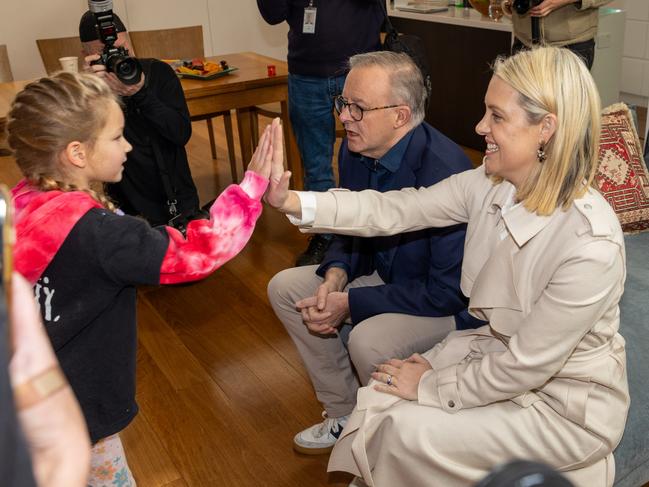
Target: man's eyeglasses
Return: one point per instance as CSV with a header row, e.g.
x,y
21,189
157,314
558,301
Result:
x,y
355,111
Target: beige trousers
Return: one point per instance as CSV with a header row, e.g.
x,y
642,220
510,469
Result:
x,y
420,446
329,363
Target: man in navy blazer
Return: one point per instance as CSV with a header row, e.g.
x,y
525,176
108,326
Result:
x,y
399,294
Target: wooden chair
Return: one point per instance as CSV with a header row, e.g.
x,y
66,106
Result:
x,y
5,77
269,110
184,43
5,67
53,49
272,110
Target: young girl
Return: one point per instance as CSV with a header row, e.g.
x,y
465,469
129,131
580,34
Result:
x,y
85,257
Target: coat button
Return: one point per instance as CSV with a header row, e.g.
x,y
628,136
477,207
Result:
x,y
451,404
588,206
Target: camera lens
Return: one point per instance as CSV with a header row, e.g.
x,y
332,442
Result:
x,y
127,69
521,6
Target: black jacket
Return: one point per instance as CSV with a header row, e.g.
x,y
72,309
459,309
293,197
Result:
x,y
343,28
156,115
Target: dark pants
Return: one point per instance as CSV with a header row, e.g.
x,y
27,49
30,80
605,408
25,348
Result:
x,y
585,50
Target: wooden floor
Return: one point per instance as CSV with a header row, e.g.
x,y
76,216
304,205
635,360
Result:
x,y
221,387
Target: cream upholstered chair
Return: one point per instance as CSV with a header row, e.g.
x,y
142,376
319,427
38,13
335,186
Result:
x,y
53,49
183,43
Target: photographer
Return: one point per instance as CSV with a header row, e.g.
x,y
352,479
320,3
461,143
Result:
x,y
157,125
561,23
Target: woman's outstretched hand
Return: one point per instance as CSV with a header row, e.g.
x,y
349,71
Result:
x,y
278,191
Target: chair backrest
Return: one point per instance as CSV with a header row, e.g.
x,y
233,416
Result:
x,y
5,68
53,49
177,43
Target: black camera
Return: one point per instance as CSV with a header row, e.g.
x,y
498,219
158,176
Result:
x,y
522,6
116,59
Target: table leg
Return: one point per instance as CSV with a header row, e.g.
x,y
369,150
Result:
x,y
293,160
245,134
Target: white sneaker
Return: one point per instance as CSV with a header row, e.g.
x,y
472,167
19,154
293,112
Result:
x,y
320,438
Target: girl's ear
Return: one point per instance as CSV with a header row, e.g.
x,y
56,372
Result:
x,y
76,154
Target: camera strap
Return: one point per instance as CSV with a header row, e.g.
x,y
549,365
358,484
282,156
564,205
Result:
x,y
163,170
166,180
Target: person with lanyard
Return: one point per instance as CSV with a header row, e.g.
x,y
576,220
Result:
x,y
322,36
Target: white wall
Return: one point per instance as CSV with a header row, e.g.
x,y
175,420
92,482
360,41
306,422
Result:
x,y
635,60
228,26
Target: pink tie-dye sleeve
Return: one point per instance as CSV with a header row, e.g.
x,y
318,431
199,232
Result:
x,y
211,243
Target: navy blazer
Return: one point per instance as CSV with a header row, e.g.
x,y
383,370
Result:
x,y
423,272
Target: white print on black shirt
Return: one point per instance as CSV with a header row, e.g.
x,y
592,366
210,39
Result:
x,y
48,295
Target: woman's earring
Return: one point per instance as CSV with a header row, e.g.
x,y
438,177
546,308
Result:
x,y
540,153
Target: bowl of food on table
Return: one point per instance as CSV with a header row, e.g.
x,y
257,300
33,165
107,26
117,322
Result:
x,y
198,68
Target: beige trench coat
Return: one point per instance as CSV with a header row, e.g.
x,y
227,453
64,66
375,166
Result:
x,y
545,380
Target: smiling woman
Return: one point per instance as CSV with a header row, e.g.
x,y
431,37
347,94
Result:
x,y
544,265
512,141
562,161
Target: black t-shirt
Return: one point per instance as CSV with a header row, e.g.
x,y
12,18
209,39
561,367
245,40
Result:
x,y
87,298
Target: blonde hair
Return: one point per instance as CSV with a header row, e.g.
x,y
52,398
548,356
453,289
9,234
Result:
x,y
554,80
49,114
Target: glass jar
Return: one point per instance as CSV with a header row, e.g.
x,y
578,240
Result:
x,y
495,10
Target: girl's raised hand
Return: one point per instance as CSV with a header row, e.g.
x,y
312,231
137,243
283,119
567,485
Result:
x,y
262,158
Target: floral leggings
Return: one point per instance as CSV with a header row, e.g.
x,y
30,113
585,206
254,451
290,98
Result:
x,y
108,467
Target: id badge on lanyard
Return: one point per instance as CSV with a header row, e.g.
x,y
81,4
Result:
x,y
308,25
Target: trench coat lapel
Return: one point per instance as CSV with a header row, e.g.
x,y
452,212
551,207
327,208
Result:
x,y
502,266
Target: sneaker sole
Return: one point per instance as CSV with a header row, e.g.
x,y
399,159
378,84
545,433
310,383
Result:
x,y
312,451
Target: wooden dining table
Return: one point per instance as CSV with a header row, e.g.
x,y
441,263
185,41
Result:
x,y
249,85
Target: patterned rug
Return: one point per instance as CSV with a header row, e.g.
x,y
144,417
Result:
x,y
622,173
